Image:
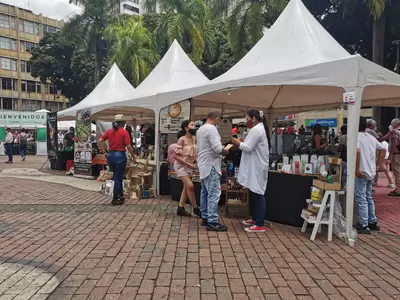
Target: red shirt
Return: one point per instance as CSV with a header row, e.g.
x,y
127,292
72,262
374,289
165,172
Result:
x,y
290,130
117,140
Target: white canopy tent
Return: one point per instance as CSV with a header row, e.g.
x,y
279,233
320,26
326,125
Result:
x,y
297,66
113,87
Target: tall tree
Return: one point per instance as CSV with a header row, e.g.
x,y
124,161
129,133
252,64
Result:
x,y
58,60
87,28
185,21
131,48
246,20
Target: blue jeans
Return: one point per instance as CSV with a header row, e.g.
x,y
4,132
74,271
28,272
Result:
x,y
210,194
344,175
259,206
9,150
117,162
365,203
22,150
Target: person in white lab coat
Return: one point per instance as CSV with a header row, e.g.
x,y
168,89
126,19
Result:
x,y
254,164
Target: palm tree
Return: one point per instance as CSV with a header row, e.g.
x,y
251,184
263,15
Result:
x,y
185,21
131,48
246,20
87,27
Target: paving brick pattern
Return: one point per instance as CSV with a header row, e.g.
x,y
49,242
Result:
x,y
57,242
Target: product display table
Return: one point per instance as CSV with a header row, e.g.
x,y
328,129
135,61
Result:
x,y
286,197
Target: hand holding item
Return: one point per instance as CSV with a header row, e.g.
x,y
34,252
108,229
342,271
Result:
x,y
235,141
193,166
359,174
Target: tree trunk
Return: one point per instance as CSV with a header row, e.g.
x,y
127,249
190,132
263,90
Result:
x,y
382,115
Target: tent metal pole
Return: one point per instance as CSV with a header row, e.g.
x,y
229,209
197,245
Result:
x,y
353,117
157,150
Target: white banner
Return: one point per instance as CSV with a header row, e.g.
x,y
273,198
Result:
x,y
18,118
171,117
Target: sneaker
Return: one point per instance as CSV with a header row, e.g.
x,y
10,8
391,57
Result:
x,y
374,226
249,222
216,227
182,212
23,158
197,212
116,201
255,229
204,222
9,162
390,186
363,229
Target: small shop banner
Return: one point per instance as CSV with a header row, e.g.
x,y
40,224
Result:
x,y
22,118
83,144
52,136
349,98
171,117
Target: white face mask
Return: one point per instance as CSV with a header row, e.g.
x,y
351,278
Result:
x,y
390,127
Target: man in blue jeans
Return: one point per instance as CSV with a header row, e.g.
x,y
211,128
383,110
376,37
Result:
x,y
210,151
8,145
366,165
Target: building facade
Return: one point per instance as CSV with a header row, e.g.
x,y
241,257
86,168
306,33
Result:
x,y
131,7
20,30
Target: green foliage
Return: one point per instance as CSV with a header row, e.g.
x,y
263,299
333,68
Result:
x,y
185,21
59,60
131,48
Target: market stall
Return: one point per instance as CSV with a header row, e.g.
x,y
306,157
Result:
x,y
320,74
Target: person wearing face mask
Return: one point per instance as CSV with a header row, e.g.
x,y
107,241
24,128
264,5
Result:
x,y
253,170
185,164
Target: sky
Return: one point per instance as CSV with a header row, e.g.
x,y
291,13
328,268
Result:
x,y
57,9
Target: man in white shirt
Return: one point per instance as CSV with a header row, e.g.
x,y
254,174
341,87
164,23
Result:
x,y
366,165
210,151
8,145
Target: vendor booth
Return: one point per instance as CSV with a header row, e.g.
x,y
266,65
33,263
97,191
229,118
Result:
x,y
272,77
35,125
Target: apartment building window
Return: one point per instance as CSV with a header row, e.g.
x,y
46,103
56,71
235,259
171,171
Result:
x,y
23,85
52,106
38,88
131,8
9,104
29,27
49,29
26,46
23,66
7,21
8,44
30,105
53,89
8,64
9,84
46,89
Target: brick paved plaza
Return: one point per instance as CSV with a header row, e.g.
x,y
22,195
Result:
x,y
59,242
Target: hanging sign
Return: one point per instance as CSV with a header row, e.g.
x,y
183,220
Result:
x,y
22,118
83,144
349,98
52,136
171,117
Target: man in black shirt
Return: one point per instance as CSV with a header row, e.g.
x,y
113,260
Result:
x,y
69,137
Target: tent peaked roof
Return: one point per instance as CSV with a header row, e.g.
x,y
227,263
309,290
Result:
x,y
112,87
295,40
175,71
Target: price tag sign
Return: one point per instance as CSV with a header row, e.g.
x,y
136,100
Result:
x,y
349,98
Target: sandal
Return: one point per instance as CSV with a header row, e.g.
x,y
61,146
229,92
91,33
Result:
x,y
394,193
